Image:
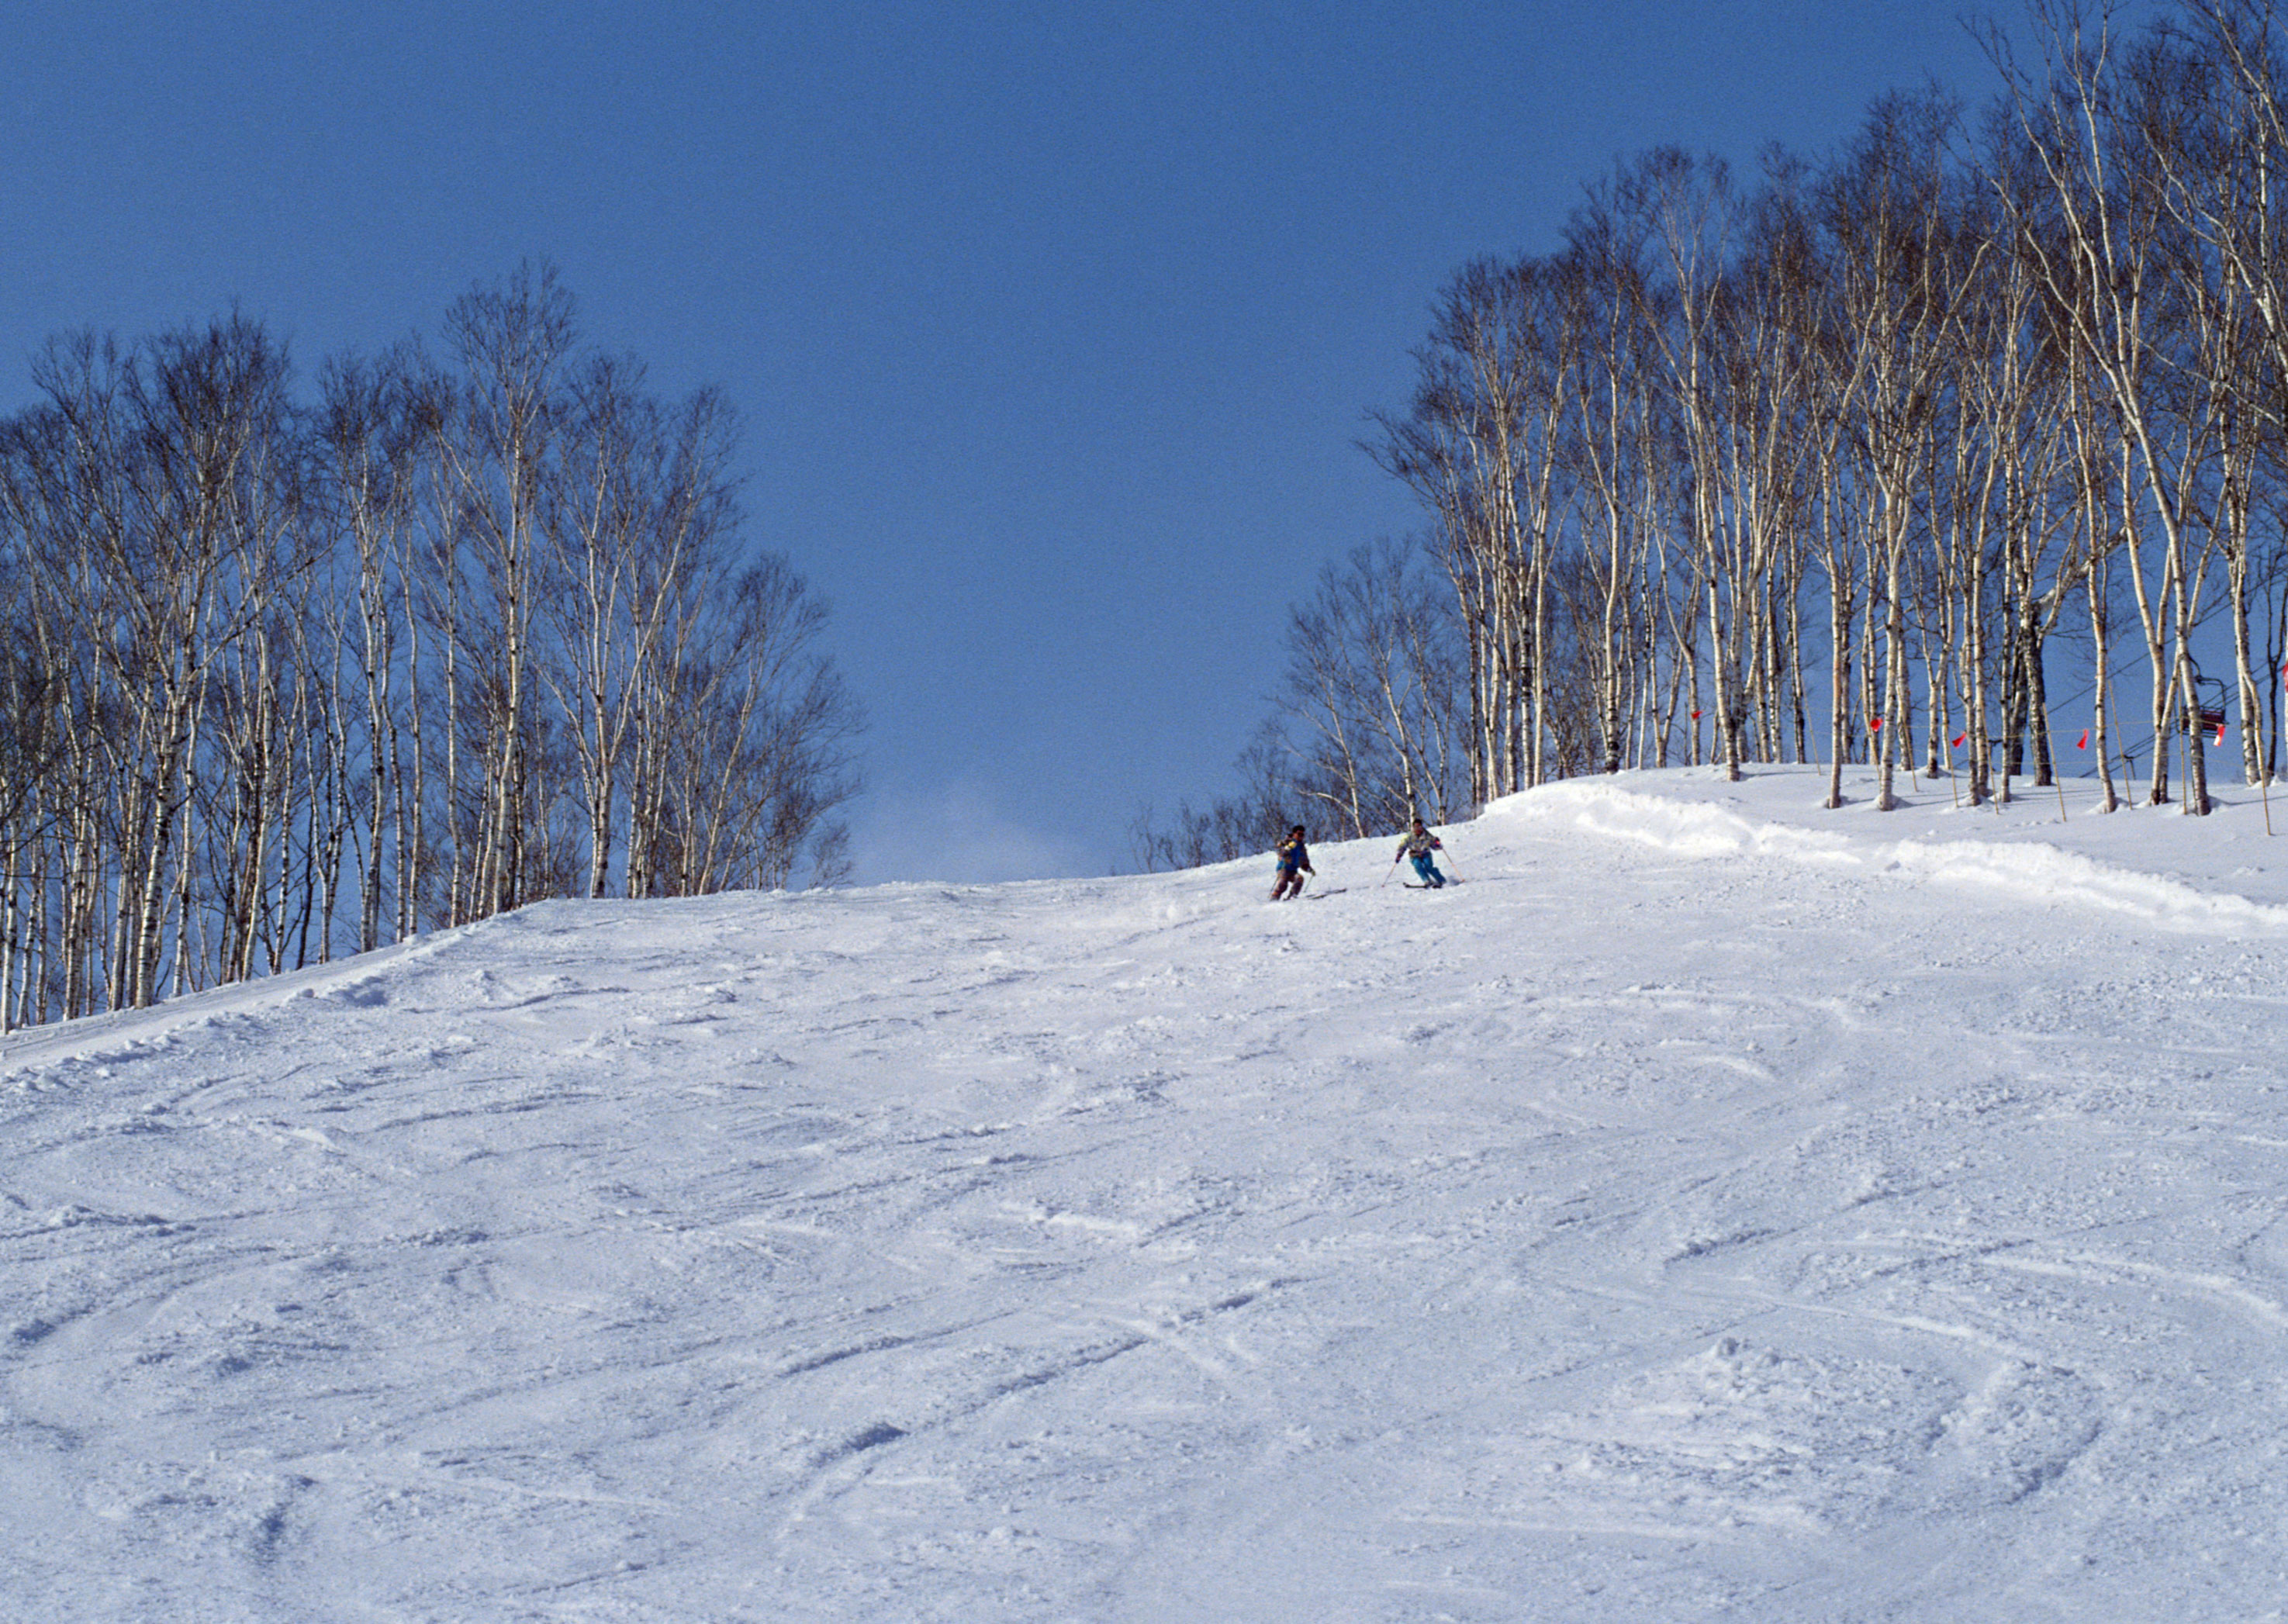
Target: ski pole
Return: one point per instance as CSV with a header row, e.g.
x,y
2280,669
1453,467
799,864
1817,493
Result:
x,y
1394,869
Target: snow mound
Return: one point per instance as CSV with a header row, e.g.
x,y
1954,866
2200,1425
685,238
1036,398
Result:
x,y
2031,870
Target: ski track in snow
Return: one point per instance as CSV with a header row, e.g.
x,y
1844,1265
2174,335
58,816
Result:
x,y
1715,1208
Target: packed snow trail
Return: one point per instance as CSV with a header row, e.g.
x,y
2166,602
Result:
x,y
1713,1209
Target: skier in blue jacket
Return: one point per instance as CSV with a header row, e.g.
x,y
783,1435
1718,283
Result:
x,y
1418,844
1294,863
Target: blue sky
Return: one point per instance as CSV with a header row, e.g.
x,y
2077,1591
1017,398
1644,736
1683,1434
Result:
x,y
1053,326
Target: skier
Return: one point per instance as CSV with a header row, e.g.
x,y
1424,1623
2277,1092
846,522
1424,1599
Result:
x,y
1294,863
1418,844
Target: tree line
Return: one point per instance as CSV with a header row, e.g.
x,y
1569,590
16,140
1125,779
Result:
x,y
1956,451
288,677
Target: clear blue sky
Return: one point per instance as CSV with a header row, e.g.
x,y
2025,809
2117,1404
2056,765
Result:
x,y
1054,325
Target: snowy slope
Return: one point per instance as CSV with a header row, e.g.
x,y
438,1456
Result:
x,y
1716,1208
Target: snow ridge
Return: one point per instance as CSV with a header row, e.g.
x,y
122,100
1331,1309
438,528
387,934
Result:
x,y
2034,870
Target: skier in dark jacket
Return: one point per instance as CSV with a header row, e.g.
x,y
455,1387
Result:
x,y
1294,863
1418,844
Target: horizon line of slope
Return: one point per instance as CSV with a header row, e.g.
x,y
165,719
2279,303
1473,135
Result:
x,y
1645,806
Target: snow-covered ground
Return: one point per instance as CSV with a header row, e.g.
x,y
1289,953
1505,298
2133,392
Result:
x,y
1716,1208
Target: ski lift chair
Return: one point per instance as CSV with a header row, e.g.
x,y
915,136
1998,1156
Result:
x,y
2208,700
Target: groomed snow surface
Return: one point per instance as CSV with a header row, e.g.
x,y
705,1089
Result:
x,y
1717,1208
